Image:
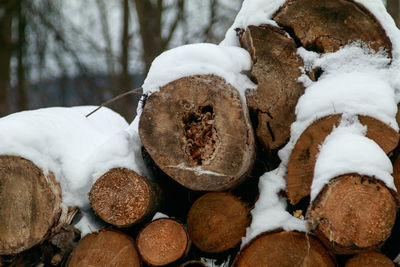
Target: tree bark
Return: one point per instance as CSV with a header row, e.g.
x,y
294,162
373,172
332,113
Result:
x,y
217,222
163,242
353,213
197,130
123,198
303,157
106,248
276,70
325,26
284,249
30,204
369,259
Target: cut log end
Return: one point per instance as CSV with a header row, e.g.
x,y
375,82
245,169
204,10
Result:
x,y
353,213
106,248
122,198
326,26
369,259
303,157
30,204
193,264
162,242
217,222
276,70
198,131
284,249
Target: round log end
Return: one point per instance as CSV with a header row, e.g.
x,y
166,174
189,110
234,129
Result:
x,y
121,197
369,259
30,204
106,248
353,213
284,249
198,131
162,242
217,222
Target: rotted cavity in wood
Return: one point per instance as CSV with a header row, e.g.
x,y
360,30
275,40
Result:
x,y
200,139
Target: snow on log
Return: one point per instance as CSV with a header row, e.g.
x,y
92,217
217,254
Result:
x,y
30,204
217,221
369,259
303,158
123,198
326,26
284,249
106,248
163,241
276,70
197,130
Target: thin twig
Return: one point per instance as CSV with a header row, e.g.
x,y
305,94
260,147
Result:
x,y
133,91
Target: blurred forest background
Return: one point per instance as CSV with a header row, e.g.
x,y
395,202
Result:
x,y
84,52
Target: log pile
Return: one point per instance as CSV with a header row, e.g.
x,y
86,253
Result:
x,y
207,142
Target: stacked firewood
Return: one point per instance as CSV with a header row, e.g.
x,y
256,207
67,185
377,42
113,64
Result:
x,y
206,144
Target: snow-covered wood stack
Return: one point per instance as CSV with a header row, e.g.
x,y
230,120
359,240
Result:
x,y
300,98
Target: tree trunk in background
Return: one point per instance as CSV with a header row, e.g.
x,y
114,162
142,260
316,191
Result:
x,y
21,69
393,7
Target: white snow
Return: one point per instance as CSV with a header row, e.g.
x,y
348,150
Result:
x,y
347,150
252,12
159,215
397,259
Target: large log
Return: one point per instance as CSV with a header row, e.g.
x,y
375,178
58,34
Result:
x,y
325,26
303,158
284,249
163,241
217,222
276,69
30,204
353,213
369,259
123,198
197,130
106,248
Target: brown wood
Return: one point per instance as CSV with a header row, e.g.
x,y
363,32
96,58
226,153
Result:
x,y
197,130
217,222
106,248
276,69
193,264
369,259
396,173
30,204
325,26
303,157
163,241
353,213
284,249
122,198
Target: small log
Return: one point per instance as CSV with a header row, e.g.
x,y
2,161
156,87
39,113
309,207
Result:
x,y
276,69
123,198
325,26
217,222
163,241
193,264
369,259
30,204
198,131
353,213
284,249
303,157
106,248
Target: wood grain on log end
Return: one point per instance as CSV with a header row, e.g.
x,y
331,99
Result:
x,y
217,222
106,248
197,130
369,259
276,69
30,204
303,157
163,241
353,213
284,249
193,264
326,26
122,198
